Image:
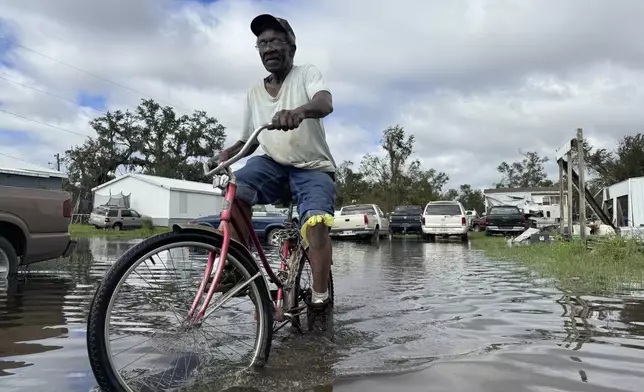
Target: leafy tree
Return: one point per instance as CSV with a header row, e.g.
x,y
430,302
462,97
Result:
x,y
390,180
472,199
529,172
350,184
151,140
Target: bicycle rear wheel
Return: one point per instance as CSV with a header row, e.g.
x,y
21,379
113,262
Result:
x,y
302,287
127,321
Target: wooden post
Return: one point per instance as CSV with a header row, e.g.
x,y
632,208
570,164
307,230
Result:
x,y
582,183
561,197
569,198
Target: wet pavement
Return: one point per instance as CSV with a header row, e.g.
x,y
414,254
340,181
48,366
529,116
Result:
x,y
410,316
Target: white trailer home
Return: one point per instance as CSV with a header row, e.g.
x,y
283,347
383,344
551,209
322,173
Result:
x,y
527,200
166,200
624,202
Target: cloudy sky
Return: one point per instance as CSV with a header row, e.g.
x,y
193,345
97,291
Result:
x,y
475,81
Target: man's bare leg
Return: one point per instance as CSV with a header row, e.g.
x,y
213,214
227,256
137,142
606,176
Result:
x,y
320,254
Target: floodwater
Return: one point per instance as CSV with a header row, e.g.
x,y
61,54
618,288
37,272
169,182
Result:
x,y
410,316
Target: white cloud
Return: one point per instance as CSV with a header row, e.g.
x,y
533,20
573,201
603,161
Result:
x,y
474,81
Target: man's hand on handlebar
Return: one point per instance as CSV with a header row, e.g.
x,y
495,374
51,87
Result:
x,y
223,157
285,120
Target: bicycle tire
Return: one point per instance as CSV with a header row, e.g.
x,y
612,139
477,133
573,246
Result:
x,y
296,322
100,363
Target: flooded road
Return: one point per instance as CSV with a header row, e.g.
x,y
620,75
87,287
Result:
x,y
410,316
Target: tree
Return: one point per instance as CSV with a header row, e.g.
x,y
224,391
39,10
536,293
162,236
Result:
x,y
152,140
389,180
472,199
529,172
350,184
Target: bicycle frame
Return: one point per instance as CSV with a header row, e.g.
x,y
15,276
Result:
x,y
226,215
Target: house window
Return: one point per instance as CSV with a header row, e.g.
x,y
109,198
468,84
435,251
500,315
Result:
x,y
183,203
546,201
548,214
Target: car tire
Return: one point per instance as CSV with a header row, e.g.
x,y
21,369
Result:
x,y
269,237
464,237
476,228
487,233
117,227
8,259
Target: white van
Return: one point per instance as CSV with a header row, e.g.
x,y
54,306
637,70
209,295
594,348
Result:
x,y
445,218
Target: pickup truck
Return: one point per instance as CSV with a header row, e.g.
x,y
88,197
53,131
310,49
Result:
x,y
360,221
406,219
34,226
504,220
444,219
478,222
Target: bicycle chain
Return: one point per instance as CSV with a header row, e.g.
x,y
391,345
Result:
x,y
290,233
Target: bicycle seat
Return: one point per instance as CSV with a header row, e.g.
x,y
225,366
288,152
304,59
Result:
x,y
286,197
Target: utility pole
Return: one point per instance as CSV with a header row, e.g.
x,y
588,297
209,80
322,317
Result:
x,y
582,183
57,156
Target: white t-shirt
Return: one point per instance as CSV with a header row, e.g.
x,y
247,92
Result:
x,y
304,147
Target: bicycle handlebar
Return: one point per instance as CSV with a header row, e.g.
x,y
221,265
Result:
x,y
249,143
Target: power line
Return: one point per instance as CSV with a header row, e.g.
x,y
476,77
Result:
x,y
17,159
48,93
14,43
42,123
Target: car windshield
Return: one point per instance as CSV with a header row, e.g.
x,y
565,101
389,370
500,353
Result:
x,y
411,210
356,210
443,209
504,211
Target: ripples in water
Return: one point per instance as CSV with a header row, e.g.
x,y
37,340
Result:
x,y
410,316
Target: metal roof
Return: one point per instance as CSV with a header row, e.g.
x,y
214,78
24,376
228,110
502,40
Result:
x,y
167,183
539,190
10,165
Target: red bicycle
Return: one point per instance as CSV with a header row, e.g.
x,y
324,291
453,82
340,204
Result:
x,y
141,327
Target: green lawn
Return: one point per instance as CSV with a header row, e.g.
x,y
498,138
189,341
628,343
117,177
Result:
x,y
90,231
613,265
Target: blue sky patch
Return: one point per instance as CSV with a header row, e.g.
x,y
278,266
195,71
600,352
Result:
x,y
86,99
6,44
15,138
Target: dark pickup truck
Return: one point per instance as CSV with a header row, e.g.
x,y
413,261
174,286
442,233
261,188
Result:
x,y
406,219
504,220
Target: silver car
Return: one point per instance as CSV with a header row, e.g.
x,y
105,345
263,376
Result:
x,y
117,218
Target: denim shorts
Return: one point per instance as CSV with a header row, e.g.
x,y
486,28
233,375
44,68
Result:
x,y
263,181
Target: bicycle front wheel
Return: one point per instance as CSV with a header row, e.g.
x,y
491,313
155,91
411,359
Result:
x,y
139,311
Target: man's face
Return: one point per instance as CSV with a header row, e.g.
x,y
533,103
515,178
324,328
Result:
x,y
274,50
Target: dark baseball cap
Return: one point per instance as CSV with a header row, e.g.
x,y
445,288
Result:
x,y
266,21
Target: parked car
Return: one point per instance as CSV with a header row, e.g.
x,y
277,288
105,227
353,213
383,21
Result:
x,y
266,225
406,219
478,222
117,218
504,220
470,215
360,221
444,218
34,226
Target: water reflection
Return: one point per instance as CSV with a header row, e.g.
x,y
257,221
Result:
x,y
459,321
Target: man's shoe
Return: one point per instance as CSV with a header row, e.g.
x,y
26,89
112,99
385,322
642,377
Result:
x,y
319,317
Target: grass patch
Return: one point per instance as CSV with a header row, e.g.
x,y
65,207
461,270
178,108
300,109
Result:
x,y
614,265
90,231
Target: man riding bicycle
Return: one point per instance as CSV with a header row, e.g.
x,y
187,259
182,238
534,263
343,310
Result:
x,y
293,99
